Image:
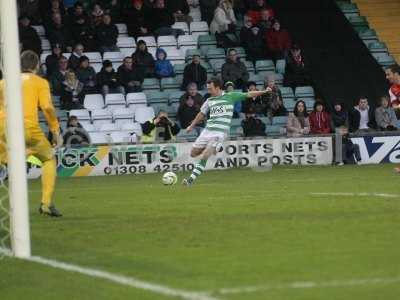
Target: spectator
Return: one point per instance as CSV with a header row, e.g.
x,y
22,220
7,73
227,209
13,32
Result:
x,y
296,73
83,33
320,120
255,45
130,76
207,9
162,20
71,92
31,9
48,8
59,33
113,8
245,32
193,93
107,35
234,70
194,72
86,75
339,117
28,36
350,151
73,61
77,12
385,116
107,80
266,20
252,126
298,123
362,117
278,41
97,15
223,23
180,10
144,59
256,9
393,76
52,60
163,67
187,111
161,128
256,105
137,19
58,77
274,100
75,135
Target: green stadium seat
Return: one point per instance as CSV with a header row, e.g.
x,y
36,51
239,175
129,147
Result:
x,y
216,64
156,97
347,7
377,47
287,92
151,84
265,66
359,22
207,40
280,66
174,96
236,131
304,92
190,52
179,68
215,53
257,78
367,34
240,52
249,66
309,103
289,103
160,107
279,120
275,130
384,59
170,83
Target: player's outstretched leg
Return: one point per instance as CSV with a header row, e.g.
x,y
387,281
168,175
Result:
x,y
197,171
49,173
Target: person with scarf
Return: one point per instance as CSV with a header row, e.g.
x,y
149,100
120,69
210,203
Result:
x,y
298,123
320,120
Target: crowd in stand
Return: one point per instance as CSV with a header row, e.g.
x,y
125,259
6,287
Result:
x,y
84,26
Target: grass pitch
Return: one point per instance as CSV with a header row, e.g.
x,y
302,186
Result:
x,y
232,229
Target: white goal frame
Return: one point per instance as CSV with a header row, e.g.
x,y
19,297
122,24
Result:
x,y
18,190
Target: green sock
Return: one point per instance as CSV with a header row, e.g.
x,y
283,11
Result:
x,y
198,169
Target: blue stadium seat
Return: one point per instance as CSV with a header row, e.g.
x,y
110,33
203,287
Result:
x,y
279,120
304,92
280,66
289,103
287,92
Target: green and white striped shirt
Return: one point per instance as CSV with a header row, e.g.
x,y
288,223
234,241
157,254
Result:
x,y
221,110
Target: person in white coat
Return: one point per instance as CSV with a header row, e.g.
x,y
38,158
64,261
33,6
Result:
x,y
224,18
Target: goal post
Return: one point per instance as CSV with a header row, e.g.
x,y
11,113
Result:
x,y
18,191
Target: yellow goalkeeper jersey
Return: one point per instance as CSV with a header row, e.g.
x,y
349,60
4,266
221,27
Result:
x,y
36,96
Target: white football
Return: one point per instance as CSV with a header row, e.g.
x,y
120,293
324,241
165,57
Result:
x,y
169,178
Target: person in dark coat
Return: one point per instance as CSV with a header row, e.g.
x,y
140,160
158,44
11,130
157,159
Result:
x,y
83,33
187,112
131,76
362,117
162,20
107,80
194,72
107,34
137,19
73,61
252,126
58,76
234,70
255,45
207,8
75,135
52,60
192,92
296,73
179,10
59,33
144,59
87,75
339,116
28,36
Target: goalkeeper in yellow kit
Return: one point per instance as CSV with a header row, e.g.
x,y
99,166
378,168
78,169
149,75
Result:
x,y
36,96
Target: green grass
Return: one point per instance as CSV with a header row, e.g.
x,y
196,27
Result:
x,y
232,229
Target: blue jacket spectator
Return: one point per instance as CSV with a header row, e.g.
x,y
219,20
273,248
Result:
x,y
163,67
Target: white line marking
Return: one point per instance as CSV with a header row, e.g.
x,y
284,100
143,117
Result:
x,y
307,285
119,279
381,195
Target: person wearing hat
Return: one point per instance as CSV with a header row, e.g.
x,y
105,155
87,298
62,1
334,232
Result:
x,y
52,59
194,72
28,36
107,80
144,59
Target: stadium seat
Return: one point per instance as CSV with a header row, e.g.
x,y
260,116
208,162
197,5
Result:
x,y
114,101
126,42
115,56
136,98
216,64
179,69
348,7
187,42
215,53
287,92
167,41
149,40
289,104
384,59
94,57
377,47
279,120
151,84
190,52
280,66
101,116
39,30
173,109
97,67
62,115
207,40
309,103
278,78
170,83
121,137
199,27
157,97
81,114
181,25
264,66
98,138
367,34
89,127
175,96
123,115
132,128
249,66
275,130
258,79
127,51
161,107
358,21
143,114
195,13
304,92
45,45
122,29
236,131
241,53
108,127
175,55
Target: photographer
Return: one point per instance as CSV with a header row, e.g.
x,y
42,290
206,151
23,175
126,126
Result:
x,y
252,126
75,135
161,128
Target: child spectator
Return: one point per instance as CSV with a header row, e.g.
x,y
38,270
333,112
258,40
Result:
x,y
144,59
320,121
385,116
298,123
163,67
107,80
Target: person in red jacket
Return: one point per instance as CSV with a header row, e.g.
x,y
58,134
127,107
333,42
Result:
x,y
278,41
320,120
255,11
